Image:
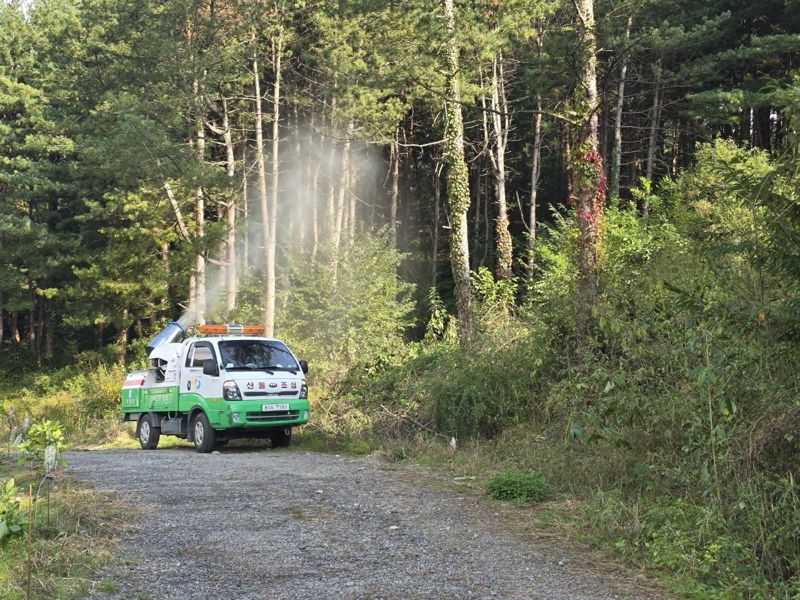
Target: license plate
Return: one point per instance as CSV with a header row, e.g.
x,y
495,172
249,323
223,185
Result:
x,y
273,407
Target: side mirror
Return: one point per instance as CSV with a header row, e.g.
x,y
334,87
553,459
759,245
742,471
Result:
x,y
304,366
210,367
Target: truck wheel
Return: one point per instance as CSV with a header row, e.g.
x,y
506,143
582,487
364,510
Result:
x,y
147,432
203,434
281,438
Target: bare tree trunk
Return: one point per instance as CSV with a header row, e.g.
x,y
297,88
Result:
x,y
314,199
31,317
652,143
48,336
536,169
457,186
122,338
476,188
269,313
394,160
330,205
230,215
501,124
586,169
245,209
40,331
262,173
13,329
352,180
616,152
164,300
343,190
437,201
300,201
199,217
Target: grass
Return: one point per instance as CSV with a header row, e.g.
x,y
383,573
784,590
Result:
x,y
66,553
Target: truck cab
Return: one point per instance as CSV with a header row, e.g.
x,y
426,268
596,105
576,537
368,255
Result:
x,y
226,382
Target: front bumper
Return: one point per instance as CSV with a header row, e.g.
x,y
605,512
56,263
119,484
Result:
x,y
248,414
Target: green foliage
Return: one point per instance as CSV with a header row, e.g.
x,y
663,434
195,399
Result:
x,y
337,316
38,438
521,487
494,294
11,518
678,427
438,319
83,397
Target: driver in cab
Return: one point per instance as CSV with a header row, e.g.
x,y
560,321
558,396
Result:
x,y
233,356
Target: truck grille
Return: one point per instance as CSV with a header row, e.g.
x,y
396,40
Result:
x,y
264,394
278,415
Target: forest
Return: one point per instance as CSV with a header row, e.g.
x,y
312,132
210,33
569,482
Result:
x,y
563,235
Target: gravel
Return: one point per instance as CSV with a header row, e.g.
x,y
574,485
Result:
x,y
249,523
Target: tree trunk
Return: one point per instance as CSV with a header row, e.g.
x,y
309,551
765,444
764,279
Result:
x,y
587,178
40,331
536,169
272,242
340,201
165,271
501,124
48,335
475,188
314,197
394,160
230,215
245,210
437,197
616,152
122,338
199,219
652,143
13,329
352,180
457,186
32,317
262,173
487,235
300,195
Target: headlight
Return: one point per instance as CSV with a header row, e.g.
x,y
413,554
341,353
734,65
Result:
x,y
304,391
230,391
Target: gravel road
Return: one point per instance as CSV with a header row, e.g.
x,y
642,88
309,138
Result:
x,y
250,523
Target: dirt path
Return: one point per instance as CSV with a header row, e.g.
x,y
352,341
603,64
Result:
x,y
251,524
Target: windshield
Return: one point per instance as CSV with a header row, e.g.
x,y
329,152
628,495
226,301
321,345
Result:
x,y
258,355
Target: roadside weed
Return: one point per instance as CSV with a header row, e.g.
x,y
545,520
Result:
x,y
520,487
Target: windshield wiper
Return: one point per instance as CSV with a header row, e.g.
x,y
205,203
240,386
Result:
x,y
265,369
291,370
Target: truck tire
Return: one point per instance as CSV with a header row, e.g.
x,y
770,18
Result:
x,y
281,437
147,433
204,434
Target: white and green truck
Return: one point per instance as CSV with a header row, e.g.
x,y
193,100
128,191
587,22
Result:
x,y
227,382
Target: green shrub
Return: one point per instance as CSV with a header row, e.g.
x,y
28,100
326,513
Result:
x,y
11,519
38,438
521,487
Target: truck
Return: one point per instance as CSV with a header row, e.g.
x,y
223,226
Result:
x,y
226,382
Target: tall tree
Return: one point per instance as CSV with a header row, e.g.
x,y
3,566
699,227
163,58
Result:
x,y
458,196
587,177
616,150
